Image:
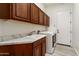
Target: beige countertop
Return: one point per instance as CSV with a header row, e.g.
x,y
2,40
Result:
x,y
27,39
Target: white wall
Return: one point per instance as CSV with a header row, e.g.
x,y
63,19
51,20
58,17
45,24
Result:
x,y
75,34
1,27
15,27
52,10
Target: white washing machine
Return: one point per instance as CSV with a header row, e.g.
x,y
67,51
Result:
x,y
50,41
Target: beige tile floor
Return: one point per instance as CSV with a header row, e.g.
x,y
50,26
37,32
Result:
x,y
61,50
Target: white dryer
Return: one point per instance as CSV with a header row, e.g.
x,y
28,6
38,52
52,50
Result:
x,y
50,41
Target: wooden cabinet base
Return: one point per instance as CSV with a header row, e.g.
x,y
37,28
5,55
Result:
x,y
38,48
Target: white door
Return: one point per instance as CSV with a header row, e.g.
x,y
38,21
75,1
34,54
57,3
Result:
x,y
64,27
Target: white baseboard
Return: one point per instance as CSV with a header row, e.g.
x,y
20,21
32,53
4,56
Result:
x,y
76,51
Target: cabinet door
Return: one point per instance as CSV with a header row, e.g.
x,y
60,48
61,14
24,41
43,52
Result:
x,y
41,17
43,47
21,11
4,51
46,20
22,50
28,50
4,10
34,13
37,50
18,50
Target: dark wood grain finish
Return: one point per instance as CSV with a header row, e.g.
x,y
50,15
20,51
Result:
x,y
26,12
4,51
22,50
37,43
21,11
43,46
46,20
37,48
4,10
34,14
37,51
41,17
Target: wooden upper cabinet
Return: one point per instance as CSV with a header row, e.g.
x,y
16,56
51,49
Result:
x,y
21,11
34,14
46,20
27,12
41,17
4,10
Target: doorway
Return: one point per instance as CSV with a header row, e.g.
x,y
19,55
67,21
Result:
x,y
64,27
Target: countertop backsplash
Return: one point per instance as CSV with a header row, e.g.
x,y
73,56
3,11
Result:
x,y
15,36
11,29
